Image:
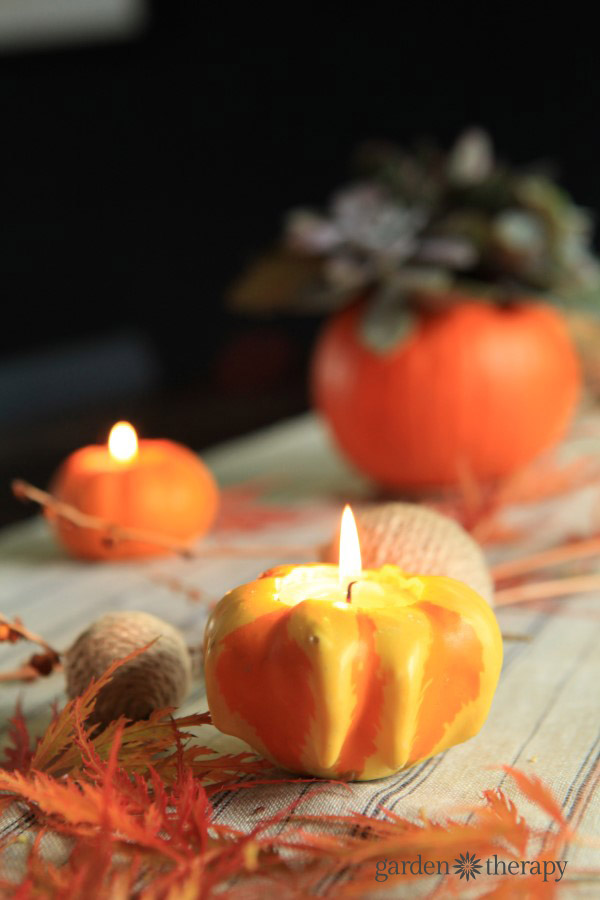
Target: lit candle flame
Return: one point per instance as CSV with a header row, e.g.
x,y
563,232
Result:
x,y
350,561
123,442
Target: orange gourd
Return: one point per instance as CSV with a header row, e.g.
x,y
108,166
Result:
x,y
474,387
165,491
351,690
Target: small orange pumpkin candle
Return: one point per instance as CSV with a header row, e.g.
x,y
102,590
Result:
x,y
351,673
151,487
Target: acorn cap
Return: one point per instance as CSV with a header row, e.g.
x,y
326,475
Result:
x,y
158,678
421,542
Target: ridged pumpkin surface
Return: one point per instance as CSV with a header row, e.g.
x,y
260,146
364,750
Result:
x,y
476,386
168,492
352,690
418,539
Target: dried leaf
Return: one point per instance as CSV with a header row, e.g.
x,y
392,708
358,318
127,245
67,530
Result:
x,y
487,226
537,792
279,280
18,753
242,508
134,802
56,743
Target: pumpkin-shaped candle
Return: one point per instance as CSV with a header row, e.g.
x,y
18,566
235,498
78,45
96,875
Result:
x,y
152,487
347,673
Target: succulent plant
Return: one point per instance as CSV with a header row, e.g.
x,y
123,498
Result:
x,y
417,227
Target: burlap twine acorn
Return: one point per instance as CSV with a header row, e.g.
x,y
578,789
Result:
x,y
155,679
420,541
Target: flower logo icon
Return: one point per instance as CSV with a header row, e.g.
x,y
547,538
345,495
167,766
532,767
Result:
x,y
467,866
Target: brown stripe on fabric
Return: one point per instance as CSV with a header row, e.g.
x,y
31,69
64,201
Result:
x,y
586,776
403,780
223,799
19,825
580,792
537,626
591,645
428,770
423,771
586,792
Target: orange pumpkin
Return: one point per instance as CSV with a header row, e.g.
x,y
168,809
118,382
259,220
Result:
x,y
474,386
355,689
165,490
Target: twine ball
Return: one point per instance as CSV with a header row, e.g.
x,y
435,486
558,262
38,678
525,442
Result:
x,y
157,678
420,541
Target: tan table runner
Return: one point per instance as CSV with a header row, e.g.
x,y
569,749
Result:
x,y
545,718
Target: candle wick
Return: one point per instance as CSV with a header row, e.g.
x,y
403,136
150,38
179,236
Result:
x,y
349,592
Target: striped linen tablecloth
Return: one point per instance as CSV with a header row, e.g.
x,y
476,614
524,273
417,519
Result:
x,y
545,718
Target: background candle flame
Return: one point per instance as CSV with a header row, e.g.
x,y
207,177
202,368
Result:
x,y
350,560
123,442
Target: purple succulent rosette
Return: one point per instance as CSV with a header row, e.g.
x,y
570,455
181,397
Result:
x,y
416,226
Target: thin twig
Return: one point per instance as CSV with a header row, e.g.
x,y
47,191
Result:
x,y
39,663
26,673
27,635
115,533
25,491
546,558
541,590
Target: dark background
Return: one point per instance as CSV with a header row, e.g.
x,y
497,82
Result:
x,y
138,178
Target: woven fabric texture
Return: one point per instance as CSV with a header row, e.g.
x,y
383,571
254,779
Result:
x,y
545,718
